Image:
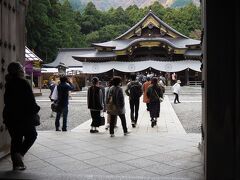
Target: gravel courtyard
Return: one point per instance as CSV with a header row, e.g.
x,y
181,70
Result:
x,y
188,111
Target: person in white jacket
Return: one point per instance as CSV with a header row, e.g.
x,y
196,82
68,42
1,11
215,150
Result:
x,y
176,90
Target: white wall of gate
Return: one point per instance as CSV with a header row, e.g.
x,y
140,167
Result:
x,y
164,66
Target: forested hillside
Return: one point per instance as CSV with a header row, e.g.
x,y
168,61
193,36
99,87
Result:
x,y
51,25
107,4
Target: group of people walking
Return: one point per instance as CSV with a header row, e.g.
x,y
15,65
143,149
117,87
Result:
x,y
114,103
20,107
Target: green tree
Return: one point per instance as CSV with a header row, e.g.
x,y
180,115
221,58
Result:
x,y
91,19
38,24
53,24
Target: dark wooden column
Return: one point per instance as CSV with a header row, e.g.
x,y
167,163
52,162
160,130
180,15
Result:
x,y
221,74
187,76
12,48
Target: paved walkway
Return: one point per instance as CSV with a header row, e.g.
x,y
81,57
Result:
x,y
162,152
167,123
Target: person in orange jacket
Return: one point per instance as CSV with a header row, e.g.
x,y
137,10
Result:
x,y
145,87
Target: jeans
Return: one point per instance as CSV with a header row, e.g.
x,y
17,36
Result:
x,y
134,107
113,123
64,111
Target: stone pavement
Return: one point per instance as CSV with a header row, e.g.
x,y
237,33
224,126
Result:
x,y
167,123
162,152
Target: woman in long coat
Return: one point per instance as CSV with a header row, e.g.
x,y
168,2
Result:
x,y
95,104
154,94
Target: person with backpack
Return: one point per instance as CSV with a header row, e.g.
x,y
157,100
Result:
x,y
116,105
108,114
134,91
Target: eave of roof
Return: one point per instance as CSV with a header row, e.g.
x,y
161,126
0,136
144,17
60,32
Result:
x,y
65,56
96,54
30,56
193,53
179,43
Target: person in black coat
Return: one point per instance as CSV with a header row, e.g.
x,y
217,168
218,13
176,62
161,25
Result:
x,y
154,93
95,103
18,113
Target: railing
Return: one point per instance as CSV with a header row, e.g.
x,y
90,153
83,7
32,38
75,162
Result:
x,y
195,83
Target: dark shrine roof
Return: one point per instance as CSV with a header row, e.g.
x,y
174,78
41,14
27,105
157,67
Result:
x,y
65,56
179,43
150,13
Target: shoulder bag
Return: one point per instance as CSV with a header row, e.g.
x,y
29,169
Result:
x,y
160,98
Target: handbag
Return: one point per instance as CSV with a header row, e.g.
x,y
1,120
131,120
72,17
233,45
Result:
x,y
111,107
36,119
160,98
55,107
102,120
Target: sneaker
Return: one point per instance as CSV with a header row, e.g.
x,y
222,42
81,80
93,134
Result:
x,y
112,135
95,131
64,129
57,129
126,133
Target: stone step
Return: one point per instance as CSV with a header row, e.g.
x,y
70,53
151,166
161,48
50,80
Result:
x,y
68,176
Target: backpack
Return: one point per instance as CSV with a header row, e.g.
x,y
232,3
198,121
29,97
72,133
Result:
x,y
135,91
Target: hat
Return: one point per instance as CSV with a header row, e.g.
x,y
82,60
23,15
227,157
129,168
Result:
x,y
178,81
95,80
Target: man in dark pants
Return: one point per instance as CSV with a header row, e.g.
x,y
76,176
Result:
x,y
63,95
20,108
134,91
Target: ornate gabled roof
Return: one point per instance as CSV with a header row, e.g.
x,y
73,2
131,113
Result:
x,y
149,33
163,33
152,18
